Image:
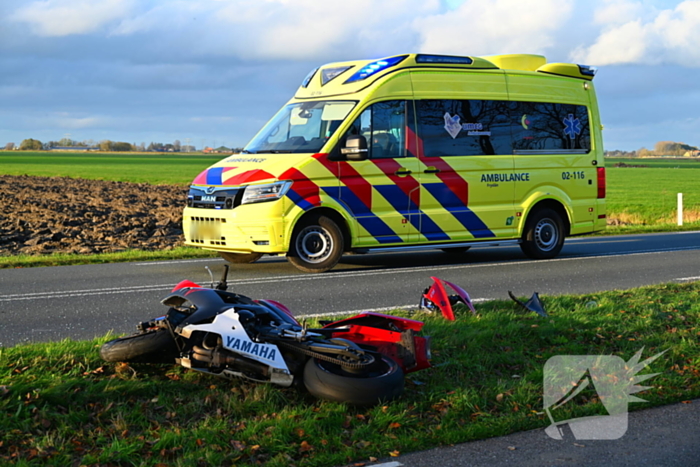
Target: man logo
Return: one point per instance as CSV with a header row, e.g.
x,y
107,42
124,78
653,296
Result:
x,y
612,381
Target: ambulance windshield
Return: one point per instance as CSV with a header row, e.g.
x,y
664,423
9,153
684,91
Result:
x,y
301,127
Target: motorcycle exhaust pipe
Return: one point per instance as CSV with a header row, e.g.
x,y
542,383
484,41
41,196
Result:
x,y
221,358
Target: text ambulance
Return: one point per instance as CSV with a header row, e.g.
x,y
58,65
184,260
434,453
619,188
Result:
x,y
412,152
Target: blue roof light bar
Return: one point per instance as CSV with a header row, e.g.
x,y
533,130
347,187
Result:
x,y
375,67
307,80
421,58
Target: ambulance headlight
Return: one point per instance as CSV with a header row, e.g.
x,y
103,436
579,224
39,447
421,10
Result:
x,y
267,192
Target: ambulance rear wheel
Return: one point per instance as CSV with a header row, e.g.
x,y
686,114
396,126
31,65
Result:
x,y
543,237
317,245
240,258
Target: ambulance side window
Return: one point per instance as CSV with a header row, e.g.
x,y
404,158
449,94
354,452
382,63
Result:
x,y
542,126
384,127
450,127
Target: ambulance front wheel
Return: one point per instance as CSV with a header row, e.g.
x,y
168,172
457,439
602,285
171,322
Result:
x,y
543,237
317,245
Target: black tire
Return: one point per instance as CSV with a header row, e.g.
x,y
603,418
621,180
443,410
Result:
x,y
317,245
458,250
543,237
383,381
151,347
240,258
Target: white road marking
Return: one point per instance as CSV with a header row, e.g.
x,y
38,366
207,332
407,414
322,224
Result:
x,y
388,464
330,276
687,279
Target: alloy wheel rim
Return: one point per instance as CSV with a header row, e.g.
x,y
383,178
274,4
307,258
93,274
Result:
x,y
314,244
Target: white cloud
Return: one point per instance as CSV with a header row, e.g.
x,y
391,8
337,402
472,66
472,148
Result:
x,y
477,27
671,36
53,18
618,12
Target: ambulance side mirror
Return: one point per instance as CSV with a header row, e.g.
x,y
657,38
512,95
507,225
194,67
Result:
x,y
355,148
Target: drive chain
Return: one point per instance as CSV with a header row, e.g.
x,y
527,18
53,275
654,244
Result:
x,y
327,358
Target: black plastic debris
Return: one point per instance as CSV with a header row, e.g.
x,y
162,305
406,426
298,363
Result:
x,y
534,304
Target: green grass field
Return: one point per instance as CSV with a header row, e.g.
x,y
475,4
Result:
x,y
153,168
62,405
648,196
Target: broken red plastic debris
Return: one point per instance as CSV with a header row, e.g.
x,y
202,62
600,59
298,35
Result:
x,y
436,297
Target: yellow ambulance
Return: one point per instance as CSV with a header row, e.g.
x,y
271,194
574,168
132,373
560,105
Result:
x,y
411,152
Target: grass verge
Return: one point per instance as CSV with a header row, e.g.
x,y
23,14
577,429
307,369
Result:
x,y
62,259
64,406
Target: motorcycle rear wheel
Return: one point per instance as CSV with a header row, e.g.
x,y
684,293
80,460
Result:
x,y
150,347
383,381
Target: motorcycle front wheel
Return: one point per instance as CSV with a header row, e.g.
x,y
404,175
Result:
x,y
150,347
382,381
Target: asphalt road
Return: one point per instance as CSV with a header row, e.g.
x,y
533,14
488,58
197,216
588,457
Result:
x,y
81,302
660,437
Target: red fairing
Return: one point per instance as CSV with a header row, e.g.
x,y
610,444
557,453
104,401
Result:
x,y
390,335
280,306
463,294
438,296
184,285
401,323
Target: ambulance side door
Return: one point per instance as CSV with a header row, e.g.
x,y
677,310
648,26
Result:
x,y
381,192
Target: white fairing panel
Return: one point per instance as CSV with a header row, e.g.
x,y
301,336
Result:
x,y
235,339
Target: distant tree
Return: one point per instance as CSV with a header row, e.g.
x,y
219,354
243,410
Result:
x,y
9,146
105,145
671,148
121,146
644,152
30,145
177,147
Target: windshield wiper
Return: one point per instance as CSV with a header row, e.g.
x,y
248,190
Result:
x,y
280,151
245,151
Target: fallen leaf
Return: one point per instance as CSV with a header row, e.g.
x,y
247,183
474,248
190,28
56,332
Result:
x,y
394,453
237,445
499,398
305,447
512,448
394,425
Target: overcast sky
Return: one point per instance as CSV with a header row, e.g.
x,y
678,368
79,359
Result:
x,y
214,71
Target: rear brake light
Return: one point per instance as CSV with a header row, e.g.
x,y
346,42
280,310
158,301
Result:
x,y
601,182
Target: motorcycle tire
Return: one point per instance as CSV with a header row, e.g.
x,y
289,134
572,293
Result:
x,y
150,347
383,381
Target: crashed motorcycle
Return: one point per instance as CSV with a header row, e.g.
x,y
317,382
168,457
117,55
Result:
x,y
359,360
